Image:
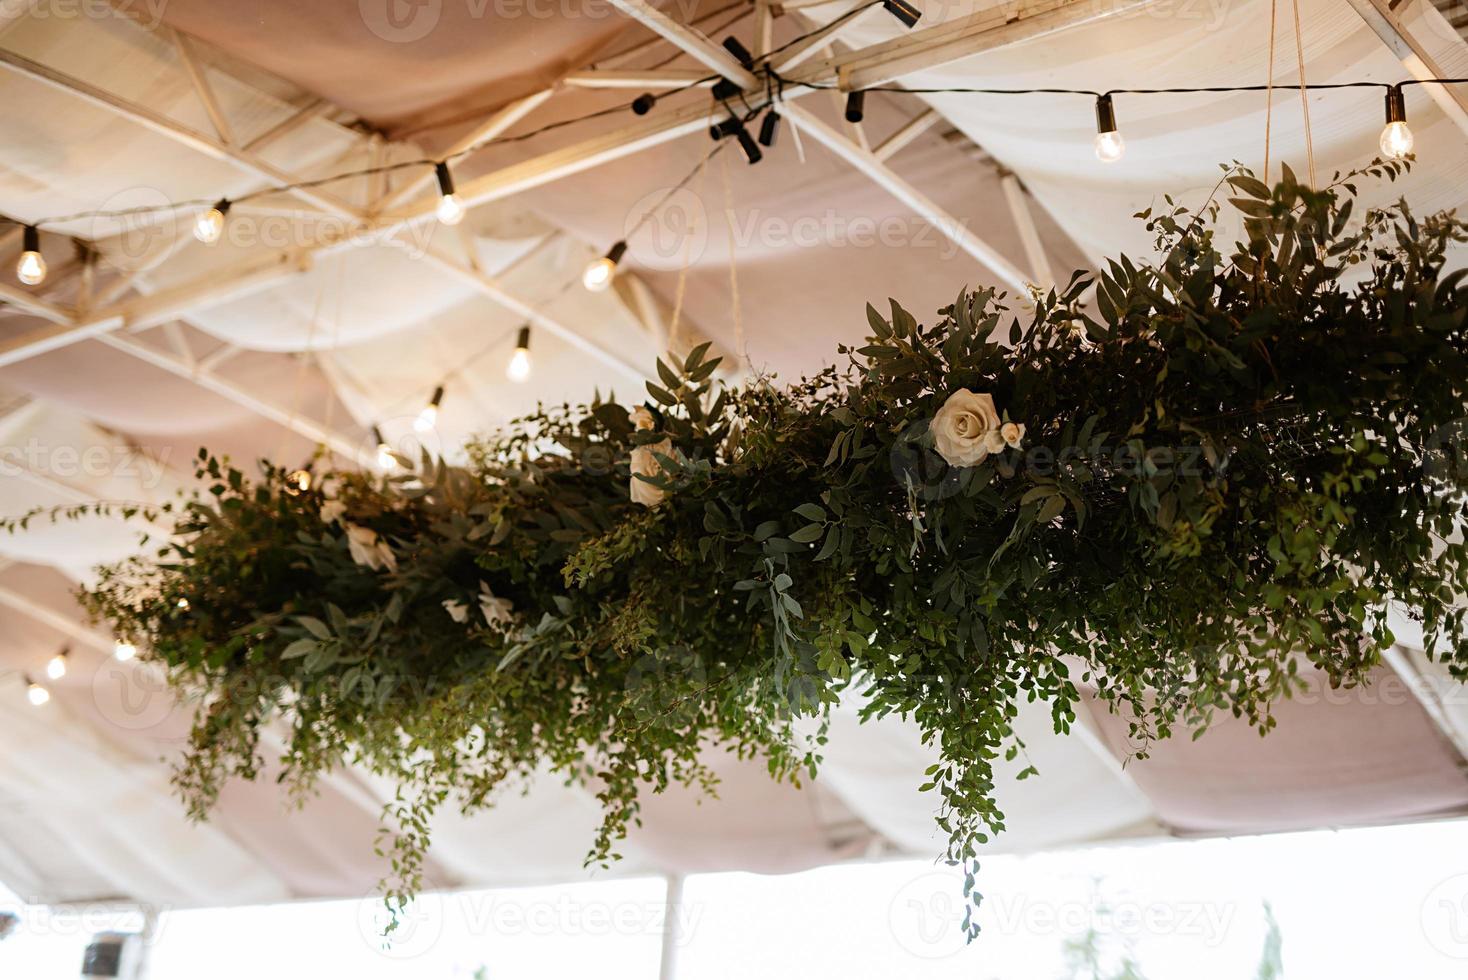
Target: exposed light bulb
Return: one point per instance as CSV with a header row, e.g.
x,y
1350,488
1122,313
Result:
x,y
209,225
427,419
182,603
385,458
124,651
56,666
599,274
450,208
519,367
1110,147
30,268
1396,138
37,694
298,482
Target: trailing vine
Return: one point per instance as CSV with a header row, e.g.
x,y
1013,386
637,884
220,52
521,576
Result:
x,y
1224,474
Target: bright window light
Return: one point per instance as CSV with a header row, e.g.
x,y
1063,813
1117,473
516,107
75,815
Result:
x,y
1198,909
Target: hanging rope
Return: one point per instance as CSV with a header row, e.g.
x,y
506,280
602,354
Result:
x,y
1304,94
687,261
733,266
1269,89
300,384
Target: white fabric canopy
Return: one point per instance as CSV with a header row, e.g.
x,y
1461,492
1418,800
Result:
x,y
346,338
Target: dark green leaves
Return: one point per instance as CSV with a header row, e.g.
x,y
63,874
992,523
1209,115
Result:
x,y
1231,465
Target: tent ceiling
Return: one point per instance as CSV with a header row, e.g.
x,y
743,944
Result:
x,y
407,65
279,337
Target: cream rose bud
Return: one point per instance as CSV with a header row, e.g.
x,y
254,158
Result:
x,y
496,611
1013,434
644,461
368,550
966,428
332,511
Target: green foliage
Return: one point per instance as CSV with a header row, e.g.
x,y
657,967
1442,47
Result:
x,y
1227,474
1271,956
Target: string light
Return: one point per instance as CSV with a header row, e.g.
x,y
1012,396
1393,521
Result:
x,y
37,694
385,458
30,268
1396,138
182,604
209,225
599,274
56,666
123,651
519,367
298,482
1110,147
450,209
428,418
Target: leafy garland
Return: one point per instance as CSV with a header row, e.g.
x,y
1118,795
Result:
x,y
1233,469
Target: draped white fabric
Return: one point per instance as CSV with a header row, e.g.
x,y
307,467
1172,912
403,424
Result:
x,y
364,333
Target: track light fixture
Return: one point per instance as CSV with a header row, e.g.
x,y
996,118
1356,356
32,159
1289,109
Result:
x,y
428,417
856,103
1396,138
769,128
518,369
599,274
30,268
209,225
725,129
723,88
1109,145
903,11
751,149
450,210
739,51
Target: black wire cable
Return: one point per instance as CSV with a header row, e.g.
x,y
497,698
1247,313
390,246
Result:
x,y
771,98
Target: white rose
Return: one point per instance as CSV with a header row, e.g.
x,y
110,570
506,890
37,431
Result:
x,y
458,610
966,428
332,511
1013,433
370,551
496,611
644,461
